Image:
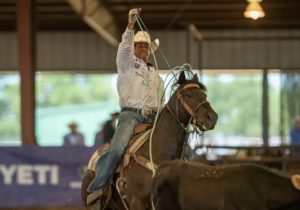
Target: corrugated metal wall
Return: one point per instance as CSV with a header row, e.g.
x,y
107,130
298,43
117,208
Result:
x,y
219,49
252,49
74,51
8,51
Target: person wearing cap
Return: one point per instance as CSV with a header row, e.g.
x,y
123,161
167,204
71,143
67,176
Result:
x,y
140,90
99,136
110,127
74,138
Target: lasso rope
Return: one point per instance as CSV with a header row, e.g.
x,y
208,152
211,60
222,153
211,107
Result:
x,y
185,67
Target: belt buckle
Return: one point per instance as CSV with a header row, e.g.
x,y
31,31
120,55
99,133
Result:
x,y
147,112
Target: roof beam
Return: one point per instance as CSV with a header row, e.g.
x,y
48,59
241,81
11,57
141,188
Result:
x,y
97,16
213,15
201,6
231,23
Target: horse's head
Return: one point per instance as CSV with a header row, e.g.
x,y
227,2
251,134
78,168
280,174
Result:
x,y
189,104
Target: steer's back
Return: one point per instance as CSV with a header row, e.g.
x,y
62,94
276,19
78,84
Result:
x,y
229,187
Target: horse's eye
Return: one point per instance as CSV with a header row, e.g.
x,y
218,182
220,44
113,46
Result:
x,y
188,96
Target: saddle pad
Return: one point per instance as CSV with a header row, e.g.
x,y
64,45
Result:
x,y
134,145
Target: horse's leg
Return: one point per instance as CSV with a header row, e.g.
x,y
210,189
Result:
x,y
137,204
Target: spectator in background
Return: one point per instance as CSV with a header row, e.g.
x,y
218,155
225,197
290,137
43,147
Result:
x,y
74,138
295,135
110,127
99,137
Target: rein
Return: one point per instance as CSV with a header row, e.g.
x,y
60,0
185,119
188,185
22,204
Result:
x,y
176,118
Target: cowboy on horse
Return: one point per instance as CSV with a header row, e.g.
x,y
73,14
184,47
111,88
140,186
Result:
x,y
140,90
139,87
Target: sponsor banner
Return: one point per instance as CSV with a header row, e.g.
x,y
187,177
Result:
x,y
42,176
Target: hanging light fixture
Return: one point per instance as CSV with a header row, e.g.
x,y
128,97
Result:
x,y
254,10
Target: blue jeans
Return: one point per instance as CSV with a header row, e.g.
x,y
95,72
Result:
x,y
108,162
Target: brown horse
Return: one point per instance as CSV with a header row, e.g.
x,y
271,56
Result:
x,y
187,105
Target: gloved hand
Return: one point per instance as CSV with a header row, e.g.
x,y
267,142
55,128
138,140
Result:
x,y
154,45
132,14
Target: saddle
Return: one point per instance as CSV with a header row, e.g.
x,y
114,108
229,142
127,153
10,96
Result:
x,y
141,133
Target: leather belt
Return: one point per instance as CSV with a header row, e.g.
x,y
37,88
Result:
x,y
126,109
144,112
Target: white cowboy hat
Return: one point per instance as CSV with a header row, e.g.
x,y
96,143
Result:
x,y
143,36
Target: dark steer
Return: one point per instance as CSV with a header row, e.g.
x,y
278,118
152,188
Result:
x,y
179,185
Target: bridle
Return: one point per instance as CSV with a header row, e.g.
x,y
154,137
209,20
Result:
x,y
192,112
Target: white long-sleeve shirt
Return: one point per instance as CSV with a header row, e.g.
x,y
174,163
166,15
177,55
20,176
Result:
x,y
139,86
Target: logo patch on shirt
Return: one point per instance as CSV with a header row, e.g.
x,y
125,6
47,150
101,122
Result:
x,y
136,65
139,74
144,82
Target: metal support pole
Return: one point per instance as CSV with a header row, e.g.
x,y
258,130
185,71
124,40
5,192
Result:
x,y
265,108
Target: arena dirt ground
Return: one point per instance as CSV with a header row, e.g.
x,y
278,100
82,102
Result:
x,y
45,208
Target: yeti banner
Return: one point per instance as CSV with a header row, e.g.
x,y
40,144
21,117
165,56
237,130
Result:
x,y
42,176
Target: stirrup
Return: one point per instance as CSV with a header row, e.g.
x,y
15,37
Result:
x,y
94,196
104,193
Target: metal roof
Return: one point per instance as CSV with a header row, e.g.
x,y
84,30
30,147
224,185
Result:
x,y
162,14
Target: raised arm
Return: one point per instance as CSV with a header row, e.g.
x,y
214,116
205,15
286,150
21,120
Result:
x,y
125,55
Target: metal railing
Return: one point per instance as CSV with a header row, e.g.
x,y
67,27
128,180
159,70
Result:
x,y
287,157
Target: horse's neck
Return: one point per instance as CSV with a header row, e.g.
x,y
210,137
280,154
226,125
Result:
x,y
168,138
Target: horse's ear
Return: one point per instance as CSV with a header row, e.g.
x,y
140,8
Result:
x,y
181,79
195,78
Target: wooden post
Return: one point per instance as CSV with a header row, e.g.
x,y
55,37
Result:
x,y
26,61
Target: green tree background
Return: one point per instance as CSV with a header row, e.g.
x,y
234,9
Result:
x,y
238,104
89,99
